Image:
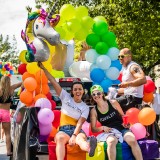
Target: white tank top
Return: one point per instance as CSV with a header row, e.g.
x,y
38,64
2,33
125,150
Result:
x,y
127,77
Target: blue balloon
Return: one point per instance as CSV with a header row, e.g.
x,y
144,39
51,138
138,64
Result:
x,y
105,84
97,75
116,81
116,64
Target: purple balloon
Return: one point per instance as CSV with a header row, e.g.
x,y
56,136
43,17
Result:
x,y
45,116
43,103
43,138
45,129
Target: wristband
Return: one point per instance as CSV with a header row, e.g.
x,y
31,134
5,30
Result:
x,y
74,135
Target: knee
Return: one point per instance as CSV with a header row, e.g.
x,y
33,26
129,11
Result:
x,y
60,139
131,142
112,143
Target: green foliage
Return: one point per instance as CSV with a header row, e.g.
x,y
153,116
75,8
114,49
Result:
x,y
136,24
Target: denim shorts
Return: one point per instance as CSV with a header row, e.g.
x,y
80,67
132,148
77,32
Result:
x,y
124,131
69,129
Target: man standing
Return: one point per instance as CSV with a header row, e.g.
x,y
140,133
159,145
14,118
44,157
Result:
x,y
133,79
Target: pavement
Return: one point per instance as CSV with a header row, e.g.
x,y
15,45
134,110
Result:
x,y
3,155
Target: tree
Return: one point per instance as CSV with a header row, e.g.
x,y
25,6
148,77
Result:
x,y
135,23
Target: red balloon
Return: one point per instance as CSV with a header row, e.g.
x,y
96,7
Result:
x,y
49,95
98,124
53,104
120,77
22,68
57,115
149,86
133,115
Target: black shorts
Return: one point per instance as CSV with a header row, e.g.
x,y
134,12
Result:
x,y
129,101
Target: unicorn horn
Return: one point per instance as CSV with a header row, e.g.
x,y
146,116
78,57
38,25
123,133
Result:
x,y
52,10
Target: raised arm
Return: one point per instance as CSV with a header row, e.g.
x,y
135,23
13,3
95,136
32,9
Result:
x,y
53,81
17,85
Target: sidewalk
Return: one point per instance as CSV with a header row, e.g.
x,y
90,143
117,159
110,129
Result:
x,y
3,155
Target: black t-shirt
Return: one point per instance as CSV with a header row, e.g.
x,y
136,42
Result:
x,y
111,119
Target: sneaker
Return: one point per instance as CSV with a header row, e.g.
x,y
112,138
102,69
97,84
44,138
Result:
x,y
93,145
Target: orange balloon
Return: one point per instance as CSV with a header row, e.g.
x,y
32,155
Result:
x,y
39,96
147,116
41,77
148,97
53,132
44,89
26,97
132,114
30,84
26,75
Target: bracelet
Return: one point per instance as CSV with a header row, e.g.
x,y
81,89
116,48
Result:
x,y
74,135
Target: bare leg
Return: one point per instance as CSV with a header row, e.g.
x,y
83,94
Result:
x,y
81,140
6,127
132,142
61,139
111,148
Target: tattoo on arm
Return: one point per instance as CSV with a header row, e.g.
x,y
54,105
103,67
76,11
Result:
x,y
137,69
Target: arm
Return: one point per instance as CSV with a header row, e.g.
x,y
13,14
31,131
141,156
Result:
x,y
17,85
139,76
53,81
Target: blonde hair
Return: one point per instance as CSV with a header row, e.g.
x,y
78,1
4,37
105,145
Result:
x,y
5,88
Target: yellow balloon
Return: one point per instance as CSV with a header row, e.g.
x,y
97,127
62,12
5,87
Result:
x,y
47,65
57,74
81,11
32,68
22,56
100,18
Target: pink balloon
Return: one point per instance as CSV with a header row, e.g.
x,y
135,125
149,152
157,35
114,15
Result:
x,y
45,129
45,116
85,127
138,130
43,103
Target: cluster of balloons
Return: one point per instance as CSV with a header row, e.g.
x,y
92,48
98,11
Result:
x,y
139,119
105,66
74,22
149,89
6,69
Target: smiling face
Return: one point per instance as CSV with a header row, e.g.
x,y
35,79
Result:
x,y
125,56
77,92
97,95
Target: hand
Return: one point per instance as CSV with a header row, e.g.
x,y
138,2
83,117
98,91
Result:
x,y
40,65
124,85
126,125
106,129
72,140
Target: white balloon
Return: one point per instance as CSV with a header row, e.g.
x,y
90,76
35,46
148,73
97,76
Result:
x,y
91,55
103,62
112,73
113,53
93,66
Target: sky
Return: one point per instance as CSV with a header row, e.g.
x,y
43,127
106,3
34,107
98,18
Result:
x,y
13,17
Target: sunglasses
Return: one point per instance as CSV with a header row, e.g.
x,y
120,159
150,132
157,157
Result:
x,y
96,94
122,56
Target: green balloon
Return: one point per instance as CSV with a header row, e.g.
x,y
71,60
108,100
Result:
x,y
61,31
87,22
92,39
99,18
100,27
101,48
108,38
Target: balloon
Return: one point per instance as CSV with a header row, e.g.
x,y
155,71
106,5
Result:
x,y
45,129
148,97
93,66
92,39
112,73
22,68
149,86
26,97
101,48
43,138
53,104
49,95
43,103
32,68
100,27
87,22
113,53
99,18
57,115
91,55
109,38
147,116
103,62
41,77
116,64
85,127
105,84
61,31
98,124
97,75
148,78
45,116
22,56
138,130
81,34
30,84
26,75
81,11
73,25
57,74
39,96
67,11
120,76
53,132
133,115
